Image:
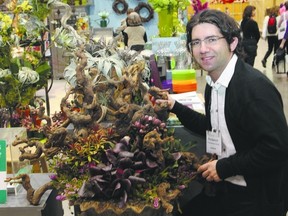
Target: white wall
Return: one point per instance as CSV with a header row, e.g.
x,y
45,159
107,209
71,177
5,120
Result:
x,y
115,19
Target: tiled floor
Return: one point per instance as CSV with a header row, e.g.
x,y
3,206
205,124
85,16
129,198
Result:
x,y
281,81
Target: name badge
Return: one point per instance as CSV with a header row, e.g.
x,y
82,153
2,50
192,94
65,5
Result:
x,y
213,142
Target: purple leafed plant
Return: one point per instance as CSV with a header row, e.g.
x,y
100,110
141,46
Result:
x,y
198,5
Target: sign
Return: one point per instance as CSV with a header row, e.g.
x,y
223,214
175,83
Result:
x,y
3,163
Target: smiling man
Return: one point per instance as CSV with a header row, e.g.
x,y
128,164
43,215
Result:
x,y
244,125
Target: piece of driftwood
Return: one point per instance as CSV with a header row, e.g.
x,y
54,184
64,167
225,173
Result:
x,y
33,195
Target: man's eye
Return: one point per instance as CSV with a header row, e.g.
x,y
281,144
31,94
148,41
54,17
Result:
x,y
211,40
195,43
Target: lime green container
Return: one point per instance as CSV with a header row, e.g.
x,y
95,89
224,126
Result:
x,y
165,23
183,74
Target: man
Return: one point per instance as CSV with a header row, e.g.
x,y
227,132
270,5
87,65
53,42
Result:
x,y
244,125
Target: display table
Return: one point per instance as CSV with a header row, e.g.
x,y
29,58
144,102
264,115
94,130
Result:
x,y
18,205
199,149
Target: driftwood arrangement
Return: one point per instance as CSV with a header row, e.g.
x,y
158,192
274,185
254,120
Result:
x,y
127,99
121,101
118,134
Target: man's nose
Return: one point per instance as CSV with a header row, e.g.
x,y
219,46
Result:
x,y
203,46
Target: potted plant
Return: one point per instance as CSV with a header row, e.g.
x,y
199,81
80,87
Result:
x,y
165,10
104,20
23,69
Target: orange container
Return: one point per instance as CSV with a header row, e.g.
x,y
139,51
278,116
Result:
x,y
184,86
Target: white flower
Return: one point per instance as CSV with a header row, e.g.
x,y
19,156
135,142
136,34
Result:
x,y
28,76
103,14
17,51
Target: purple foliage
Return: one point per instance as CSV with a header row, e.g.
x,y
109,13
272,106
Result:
x,y
198,6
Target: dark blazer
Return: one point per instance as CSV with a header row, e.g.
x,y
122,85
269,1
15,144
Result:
x,y
257,125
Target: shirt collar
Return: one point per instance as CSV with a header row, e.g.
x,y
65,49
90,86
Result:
x,y
226,75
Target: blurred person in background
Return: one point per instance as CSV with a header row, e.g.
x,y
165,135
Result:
x,y
122,27
251,34
134,35
284,18
270,33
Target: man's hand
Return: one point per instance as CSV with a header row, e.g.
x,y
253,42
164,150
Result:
x,y
209,171
170,101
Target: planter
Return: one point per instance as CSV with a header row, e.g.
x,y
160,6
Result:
x,y
104,23
112,209
165,23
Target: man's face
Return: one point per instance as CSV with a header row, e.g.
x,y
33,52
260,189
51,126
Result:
x,y
210,49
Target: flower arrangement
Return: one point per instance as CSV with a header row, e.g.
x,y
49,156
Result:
x,y
103,14
124,170
131,157
82,23
23,70
159,5
120,151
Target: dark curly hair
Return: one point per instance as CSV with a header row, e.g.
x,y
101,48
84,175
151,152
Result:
x,y
228,27
248,11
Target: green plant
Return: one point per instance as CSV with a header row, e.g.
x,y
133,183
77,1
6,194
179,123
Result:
x,y
170,5
23,70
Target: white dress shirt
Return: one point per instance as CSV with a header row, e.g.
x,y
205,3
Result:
x,y
218,120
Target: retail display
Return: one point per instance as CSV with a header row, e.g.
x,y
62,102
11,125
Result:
x,y
120,149
110,147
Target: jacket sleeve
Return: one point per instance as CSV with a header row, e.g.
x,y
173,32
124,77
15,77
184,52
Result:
x,y
192,120
125,38
264,28
281,19
257,32
145,37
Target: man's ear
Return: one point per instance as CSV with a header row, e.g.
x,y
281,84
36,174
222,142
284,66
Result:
x,y
234,44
